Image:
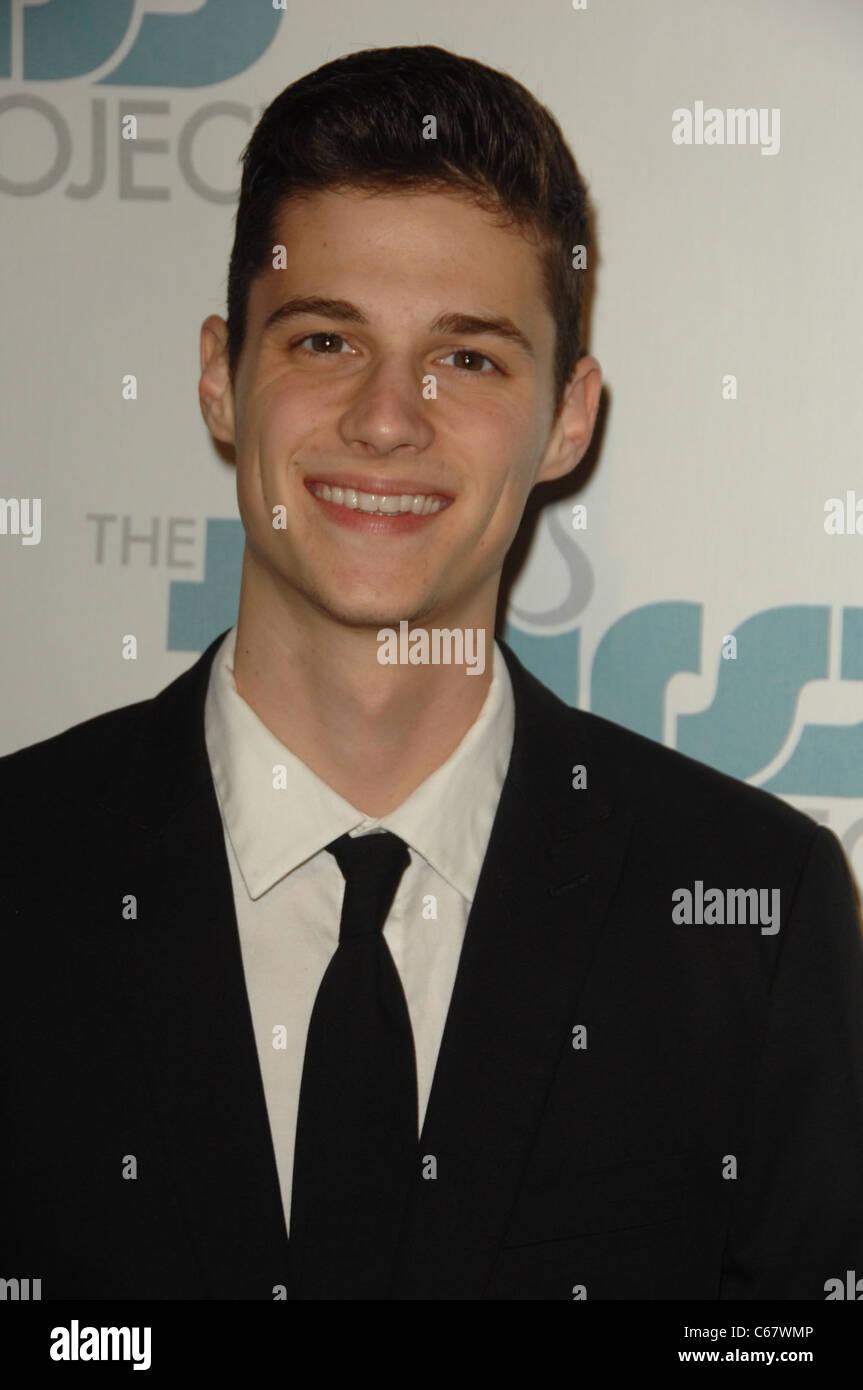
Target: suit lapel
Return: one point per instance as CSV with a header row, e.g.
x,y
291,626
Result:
x,y
185,976
554,859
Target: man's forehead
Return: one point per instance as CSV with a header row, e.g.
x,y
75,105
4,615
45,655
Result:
x,y
396,219
505,285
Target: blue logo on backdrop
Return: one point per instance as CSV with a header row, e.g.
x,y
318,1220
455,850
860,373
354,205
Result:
x,y
72,38
745,728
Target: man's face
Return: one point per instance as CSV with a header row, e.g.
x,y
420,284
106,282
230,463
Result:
x,y
377,397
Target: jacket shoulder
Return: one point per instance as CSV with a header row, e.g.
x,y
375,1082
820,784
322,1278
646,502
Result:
x,y
670,794
77,762
664,783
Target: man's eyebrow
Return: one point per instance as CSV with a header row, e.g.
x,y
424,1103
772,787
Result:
x,y
469,325
340,309
343,311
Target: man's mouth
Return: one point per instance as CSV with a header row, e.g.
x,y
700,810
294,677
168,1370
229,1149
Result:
x,y
379,503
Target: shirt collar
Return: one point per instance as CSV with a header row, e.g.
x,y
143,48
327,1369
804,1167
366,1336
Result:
x,y
447,819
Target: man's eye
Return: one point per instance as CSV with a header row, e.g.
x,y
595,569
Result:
x,y
474,356
324,338
331,345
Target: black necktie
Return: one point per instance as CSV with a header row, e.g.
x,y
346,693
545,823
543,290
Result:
x,y
356,1151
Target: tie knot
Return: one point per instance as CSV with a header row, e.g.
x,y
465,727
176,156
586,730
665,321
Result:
x,y
372,866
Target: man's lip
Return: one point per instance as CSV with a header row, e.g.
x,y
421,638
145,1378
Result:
x,y
381,487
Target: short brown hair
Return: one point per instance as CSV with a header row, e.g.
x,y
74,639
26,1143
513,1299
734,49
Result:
x,y
357,122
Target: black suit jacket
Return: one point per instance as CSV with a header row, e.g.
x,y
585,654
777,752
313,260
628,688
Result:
x,y
604,1170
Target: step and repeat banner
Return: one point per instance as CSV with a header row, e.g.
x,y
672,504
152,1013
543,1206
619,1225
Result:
x,y
700,579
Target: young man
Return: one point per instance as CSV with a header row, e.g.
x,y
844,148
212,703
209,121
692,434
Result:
x,y
332,976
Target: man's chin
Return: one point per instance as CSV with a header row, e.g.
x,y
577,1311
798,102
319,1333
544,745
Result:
x,y
372,615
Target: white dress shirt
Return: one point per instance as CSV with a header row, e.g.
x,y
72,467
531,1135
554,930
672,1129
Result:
x,y
278,816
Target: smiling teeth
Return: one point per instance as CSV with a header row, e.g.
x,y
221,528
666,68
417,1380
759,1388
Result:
x,y
377,502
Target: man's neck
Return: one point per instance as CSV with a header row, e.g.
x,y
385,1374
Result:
x,y
372,732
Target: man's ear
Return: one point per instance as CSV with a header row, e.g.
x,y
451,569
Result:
x,y
572,431
215,393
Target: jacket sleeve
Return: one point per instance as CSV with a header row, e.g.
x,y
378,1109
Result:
x,y
797,1212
